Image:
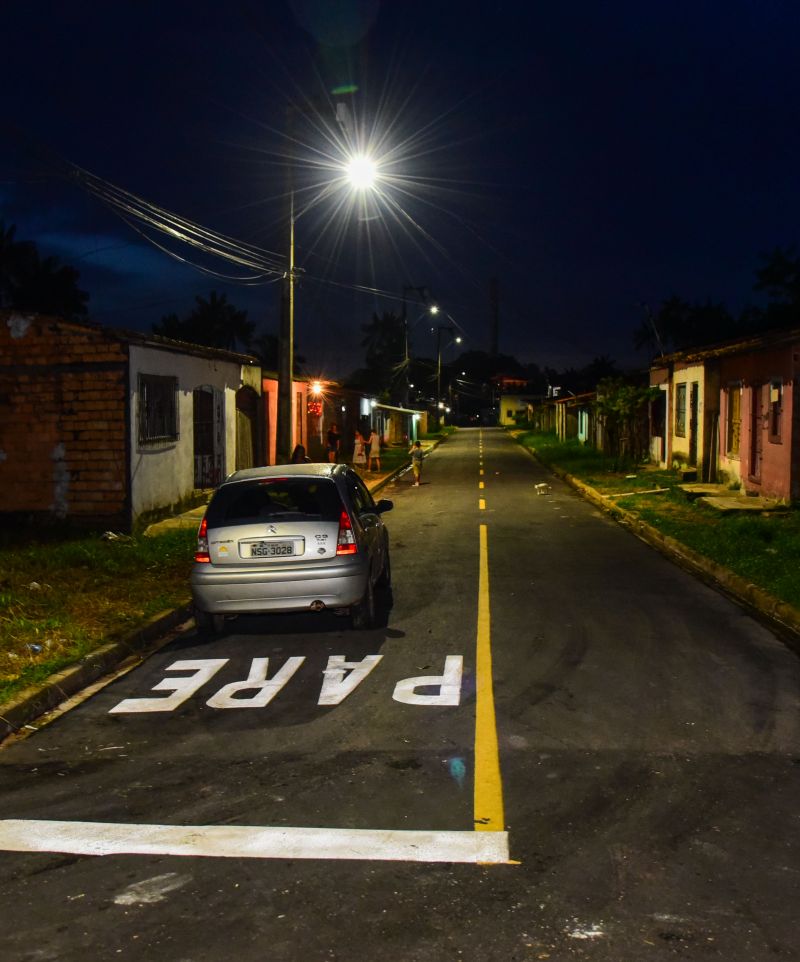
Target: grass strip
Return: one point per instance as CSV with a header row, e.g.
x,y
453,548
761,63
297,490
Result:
x,y
64,596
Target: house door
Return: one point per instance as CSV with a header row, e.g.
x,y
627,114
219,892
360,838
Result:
x,y
246,422
756,434
693,407
209,437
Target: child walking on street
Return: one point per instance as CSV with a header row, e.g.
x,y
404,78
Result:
x,y
416,461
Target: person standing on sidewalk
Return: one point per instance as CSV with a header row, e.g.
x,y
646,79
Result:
x,y
334,440
374,450
417,455
359,452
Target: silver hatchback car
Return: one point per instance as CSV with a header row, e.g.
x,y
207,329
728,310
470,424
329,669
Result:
x,y
293,537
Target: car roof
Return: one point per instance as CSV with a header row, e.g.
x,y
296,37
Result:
x,y
313,470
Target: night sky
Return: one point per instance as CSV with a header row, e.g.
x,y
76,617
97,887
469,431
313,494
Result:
x,y
592,156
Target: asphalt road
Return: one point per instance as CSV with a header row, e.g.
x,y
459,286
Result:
x,y
646,803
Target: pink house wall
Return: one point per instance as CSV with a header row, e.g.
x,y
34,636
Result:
x,y
299,415
778,474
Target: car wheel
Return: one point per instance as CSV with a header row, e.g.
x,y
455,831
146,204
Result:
x,y
385,578
205,621
363,614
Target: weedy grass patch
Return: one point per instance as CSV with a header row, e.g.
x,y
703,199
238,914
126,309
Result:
x,y
763,548
62,597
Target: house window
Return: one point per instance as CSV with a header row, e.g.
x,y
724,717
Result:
x,y
733,427
158,408
680,410
775,411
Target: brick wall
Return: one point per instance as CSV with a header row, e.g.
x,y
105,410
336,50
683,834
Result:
x,y
62,420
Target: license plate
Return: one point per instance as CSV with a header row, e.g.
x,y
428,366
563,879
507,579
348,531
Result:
x,y
271,549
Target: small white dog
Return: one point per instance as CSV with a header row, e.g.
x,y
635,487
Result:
x,y
543,488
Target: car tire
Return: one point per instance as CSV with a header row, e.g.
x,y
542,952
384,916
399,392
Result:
x,y
206,621
385,577
363,614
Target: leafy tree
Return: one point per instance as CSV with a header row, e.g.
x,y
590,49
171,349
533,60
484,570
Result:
x,y
266,348
482,366
622,408
30,282
679,325
779,278
213,322
385,348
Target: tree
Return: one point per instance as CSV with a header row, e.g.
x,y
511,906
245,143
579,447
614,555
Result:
x,y
622,409
385,353
213,322
680,324
29,282
779,278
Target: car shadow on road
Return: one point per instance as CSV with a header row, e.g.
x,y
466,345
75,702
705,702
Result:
x,y
301,625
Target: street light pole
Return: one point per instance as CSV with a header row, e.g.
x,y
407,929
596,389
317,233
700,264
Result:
x,y
360,172
283,436
439,329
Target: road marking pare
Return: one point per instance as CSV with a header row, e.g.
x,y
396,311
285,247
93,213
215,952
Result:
x,y
340,678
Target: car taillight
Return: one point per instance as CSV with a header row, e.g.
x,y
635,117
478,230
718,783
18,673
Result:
x,y
202,554
346,542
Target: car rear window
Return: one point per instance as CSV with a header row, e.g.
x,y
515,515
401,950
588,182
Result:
x,y
281,499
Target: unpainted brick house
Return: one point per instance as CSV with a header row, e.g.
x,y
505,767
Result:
x,y
102,426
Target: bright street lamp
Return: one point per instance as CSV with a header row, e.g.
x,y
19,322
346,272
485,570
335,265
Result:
x,y
361,172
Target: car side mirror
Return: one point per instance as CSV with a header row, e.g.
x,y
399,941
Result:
x,y
384,505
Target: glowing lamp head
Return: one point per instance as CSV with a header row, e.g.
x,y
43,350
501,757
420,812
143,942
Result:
x,y
434,309
316,388
361,172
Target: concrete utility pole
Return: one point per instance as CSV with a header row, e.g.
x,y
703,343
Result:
x,y
283,434
284,427
424,295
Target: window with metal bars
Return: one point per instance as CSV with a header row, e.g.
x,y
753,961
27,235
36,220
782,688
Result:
x,y
158,409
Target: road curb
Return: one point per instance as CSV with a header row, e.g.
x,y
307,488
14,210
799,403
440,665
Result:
x,y
781,615
35,701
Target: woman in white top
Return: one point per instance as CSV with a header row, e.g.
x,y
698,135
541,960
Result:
x,y
359,453
374,450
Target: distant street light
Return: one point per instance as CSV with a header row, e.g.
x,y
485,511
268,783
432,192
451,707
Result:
x,y
456,340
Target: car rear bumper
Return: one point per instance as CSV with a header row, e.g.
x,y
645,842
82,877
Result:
x,y
235,590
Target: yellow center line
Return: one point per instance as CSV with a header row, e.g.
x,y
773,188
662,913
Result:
x,y
481,484
488,798
481,504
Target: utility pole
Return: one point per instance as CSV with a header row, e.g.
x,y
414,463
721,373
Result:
x,y
283,435
284,427
424,295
